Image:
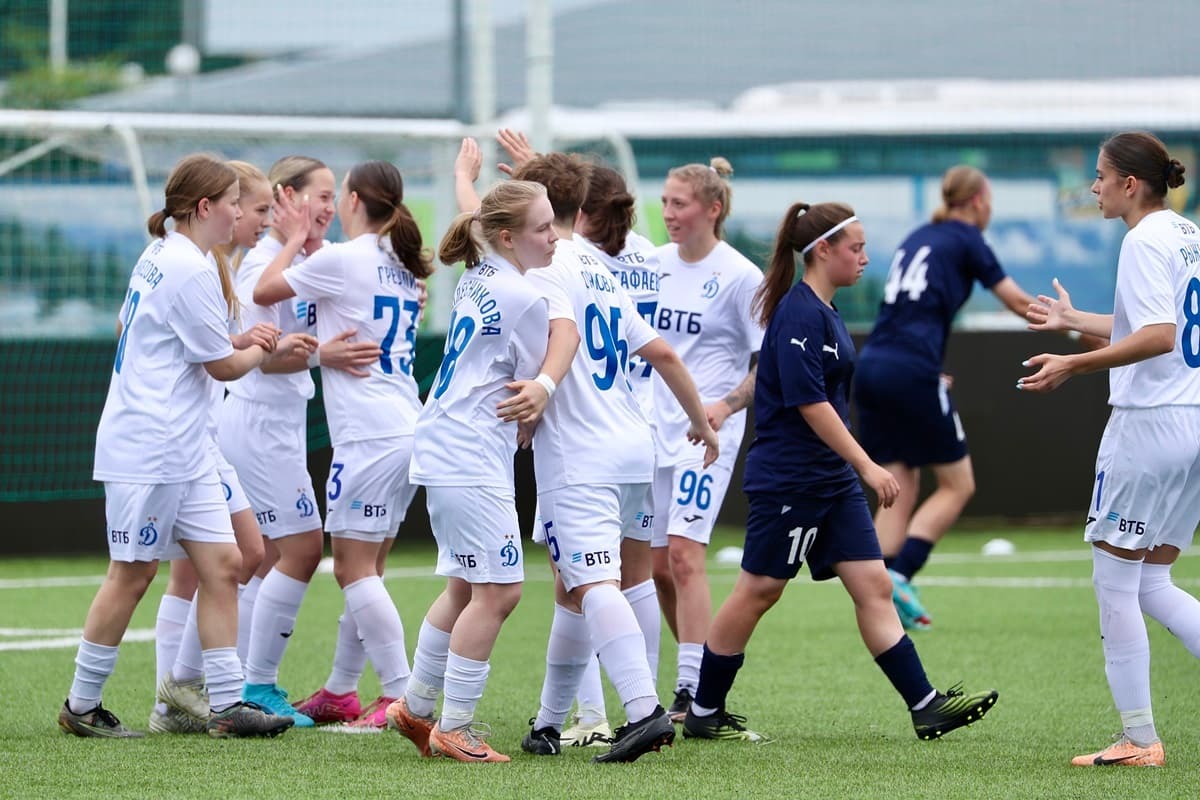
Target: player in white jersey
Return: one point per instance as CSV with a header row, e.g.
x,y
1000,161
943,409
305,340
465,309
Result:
x,y
463,455
181,705
593,458
162,491
705,295
604,232
370,284
1146,501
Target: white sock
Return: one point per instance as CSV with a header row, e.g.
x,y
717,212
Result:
x,y
567,654
247,594
168,631
643,598
223,676
382,632
591,694
274,619
622,649
1170,606
1126,645
465,681
93,664
349,656
189,664
690,655
429,670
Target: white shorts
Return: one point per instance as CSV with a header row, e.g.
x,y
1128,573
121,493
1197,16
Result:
x,y
637,524
146,521
477,533
583,527
368,490
688,497
1147,487
268,448
235,495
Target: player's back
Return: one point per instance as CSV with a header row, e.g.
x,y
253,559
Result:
x,y
497,333
593,430
931,276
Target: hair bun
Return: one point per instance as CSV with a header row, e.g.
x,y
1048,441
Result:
x,y
1174,174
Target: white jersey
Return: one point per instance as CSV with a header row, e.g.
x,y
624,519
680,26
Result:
x,y
364,287
636,268
1158,281
498,332
593,431
704,313
153,427
295,315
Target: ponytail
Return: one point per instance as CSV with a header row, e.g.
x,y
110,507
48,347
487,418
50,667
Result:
x,y
803,226
405,236
156,224
460,244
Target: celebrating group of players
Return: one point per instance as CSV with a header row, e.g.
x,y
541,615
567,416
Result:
x,y
626,367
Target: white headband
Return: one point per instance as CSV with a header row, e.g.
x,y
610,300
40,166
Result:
x,y
827,234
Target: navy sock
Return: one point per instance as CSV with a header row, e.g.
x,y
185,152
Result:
x,y
912,557
717,673
903,668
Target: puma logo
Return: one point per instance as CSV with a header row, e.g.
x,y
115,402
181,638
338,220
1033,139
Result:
x,y
827,349
801,342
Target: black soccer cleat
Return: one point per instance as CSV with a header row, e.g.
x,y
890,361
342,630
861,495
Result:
x,y
638,738
244,719
951,710
542,741
679,708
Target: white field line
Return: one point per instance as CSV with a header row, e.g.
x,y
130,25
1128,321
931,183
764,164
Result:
x,y
51,640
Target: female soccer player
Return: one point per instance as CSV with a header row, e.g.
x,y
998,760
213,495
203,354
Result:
x,y
183,705
463,455
806,503
704,314
1146,503
605,232
593,460
369,284
162,489
906,418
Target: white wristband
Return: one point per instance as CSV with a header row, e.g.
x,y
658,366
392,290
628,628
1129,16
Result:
x,y
314,358
547,383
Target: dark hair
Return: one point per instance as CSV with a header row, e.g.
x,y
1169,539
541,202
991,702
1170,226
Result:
x,y
193,179
565,178
381,189
608,210
1145,157
711,184
960,185
802,225
505,207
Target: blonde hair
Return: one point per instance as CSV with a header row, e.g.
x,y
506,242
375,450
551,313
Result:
x,y
711,185
960,185
504,208
193,179
293,171
247,176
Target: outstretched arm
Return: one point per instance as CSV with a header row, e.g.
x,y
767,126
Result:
x,y
742,396
1054,370
670,368
1057,314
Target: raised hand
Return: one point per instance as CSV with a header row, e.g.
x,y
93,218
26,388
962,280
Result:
x,y
1049,313
517,147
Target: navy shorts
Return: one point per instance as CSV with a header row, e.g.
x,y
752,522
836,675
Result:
x,y
784,530
906,415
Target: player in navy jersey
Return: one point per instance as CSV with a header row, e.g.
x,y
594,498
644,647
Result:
x,y
806,503
1146,502
906,417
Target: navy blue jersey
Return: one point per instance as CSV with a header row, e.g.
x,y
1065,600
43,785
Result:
x,y
930,279
807,357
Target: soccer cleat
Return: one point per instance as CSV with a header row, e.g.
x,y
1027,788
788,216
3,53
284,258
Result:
x,y
908,605
543,741
273,700
99,722
1123,753
463,744
951,710
679,708
586,734
374,716
415,729
243,720
187,697
175,721
638,738
324,706
721,725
